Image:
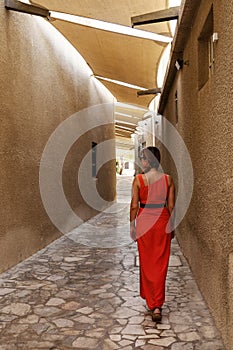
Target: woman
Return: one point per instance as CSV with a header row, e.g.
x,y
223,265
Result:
x,y
153,200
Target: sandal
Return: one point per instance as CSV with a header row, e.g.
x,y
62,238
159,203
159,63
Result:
x,y
157,314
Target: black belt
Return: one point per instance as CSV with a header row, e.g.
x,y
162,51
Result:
x,y
143,205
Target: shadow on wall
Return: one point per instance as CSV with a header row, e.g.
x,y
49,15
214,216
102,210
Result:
x,y
43,81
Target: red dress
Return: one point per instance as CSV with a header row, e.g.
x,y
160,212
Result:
x,y
153,241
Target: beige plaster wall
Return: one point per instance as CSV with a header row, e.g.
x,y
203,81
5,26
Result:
x,y
43,81
205,123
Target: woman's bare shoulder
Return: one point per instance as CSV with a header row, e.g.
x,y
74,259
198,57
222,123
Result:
x,y
170,179
136,180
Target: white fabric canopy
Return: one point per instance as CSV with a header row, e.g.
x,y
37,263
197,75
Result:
x,y
112,55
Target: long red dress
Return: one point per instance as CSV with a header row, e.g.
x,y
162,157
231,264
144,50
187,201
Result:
x,y
153,241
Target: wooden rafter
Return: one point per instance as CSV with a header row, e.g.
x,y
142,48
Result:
x,y
18,6
149,92
155,17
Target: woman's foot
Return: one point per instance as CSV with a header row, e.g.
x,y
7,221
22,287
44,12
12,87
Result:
x,y
157,314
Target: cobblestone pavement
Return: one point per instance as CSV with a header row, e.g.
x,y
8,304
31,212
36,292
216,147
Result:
x,y
82,292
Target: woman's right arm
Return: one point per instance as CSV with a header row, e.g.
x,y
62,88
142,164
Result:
x,y
134,208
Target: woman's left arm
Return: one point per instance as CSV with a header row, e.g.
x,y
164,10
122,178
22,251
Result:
x,y
134,208
171,201
171,195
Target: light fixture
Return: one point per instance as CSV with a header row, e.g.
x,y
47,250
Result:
x,y
215,37
179,63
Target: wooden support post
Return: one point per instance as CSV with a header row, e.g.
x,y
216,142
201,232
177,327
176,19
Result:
x,y
149,92
155,17
18,6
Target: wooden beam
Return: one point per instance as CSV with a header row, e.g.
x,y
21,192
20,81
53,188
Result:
x,y
18,6
155,17
124,128
149,92
123,134
123,123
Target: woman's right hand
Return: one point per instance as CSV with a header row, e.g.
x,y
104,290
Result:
x,y
133,233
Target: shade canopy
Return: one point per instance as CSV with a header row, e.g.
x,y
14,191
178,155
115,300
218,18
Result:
x,y
111,55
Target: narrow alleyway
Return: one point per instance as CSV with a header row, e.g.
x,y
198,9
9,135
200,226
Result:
x,y
82,292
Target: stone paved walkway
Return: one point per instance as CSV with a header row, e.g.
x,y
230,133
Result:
x,y
81,292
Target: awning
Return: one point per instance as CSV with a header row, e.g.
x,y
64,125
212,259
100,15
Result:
x,y
116,56
112,55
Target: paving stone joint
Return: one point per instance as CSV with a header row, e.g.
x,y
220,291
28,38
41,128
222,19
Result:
x,y
73,296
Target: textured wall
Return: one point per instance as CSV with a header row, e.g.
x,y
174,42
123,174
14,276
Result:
x,y
43,81
205,123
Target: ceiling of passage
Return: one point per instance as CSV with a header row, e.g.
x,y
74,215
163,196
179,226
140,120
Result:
x,y
126,118
112,55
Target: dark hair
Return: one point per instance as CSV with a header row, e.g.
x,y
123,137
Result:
x,y
152,154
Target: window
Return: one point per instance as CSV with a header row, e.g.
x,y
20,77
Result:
x,y
205,51
93,159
